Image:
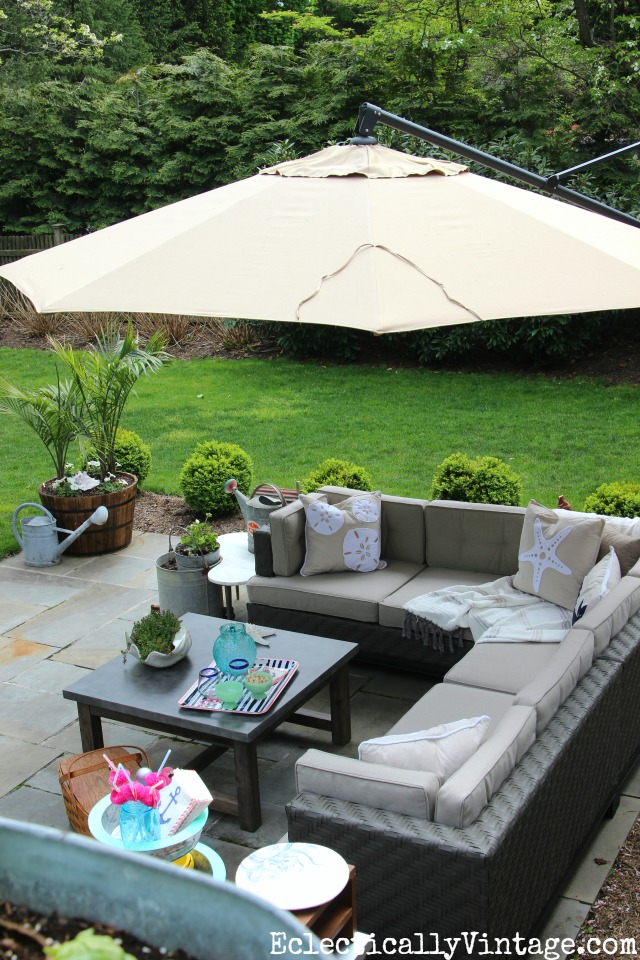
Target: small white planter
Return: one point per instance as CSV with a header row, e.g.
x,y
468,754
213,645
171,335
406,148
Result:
x,y
181,647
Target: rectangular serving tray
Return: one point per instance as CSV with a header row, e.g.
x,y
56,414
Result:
x,y
282,671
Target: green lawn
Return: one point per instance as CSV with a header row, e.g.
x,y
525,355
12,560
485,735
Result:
x,y
560,436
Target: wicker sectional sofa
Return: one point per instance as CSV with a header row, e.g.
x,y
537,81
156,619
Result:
x,y
426,546
485,850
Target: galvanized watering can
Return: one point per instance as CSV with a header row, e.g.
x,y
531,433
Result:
x,y
39,538
257,508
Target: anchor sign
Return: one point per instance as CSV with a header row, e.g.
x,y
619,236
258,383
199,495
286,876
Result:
x,y
173,794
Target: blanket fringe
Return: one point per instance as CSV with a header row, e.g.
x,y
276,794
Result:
x,y
430,634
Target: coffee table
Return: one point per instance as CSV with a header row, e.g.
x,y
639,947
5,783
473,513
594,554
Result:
x,y
146,697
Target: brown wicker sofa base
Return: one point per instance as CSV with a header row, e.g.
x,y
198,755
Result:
x,y
378,644
497,876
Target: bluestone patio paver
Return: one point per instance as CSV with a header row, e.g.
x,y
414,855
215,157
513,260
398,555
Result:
x,y
15,612
48,676
35,806
19,760
69,621
94,649
33,716
16,656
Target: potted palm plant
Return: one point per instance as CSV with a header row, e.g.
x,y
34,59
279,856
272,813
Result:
x,y
89,407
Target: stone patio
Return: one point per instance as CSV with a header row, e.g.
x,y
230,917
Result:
x,y
57,622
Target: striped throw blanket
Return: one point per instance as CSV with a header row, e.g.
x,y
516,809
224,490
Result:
x,y
494,611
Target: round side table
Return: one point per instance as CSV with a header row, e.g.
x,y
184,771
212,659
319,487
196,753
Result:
x,y
235,567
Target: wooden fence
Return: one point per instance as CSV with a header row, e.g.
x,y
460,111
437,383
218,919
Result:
x,y
15,246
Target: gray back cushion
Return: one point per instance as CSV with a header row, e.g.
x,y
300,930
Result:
x,y
462,797
474,536
559,677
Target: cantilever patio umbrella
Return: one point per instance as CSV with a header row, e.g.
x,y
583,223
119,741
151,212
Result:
x,y
355,235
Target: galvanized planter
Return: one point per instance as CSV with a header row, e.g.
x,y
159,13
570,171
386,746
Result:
x,y
51,871
187,591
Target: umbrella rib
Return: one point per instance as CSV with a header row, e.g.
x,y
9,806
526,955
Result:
x,y
398,256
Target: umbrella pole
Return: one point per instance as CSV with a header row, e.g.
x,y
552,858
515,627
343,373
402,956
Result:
x,y
369,115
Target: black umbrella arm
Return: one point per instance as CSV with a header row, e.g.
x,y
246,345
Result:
x,y
369,115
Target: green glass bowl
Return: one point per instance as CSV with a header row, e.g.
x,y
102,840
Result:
x,y
229,692
258,683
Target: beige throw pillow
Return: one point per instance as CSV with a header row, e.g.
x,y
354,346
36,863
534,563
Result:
x,y
342,536
627,548
441,750
556,553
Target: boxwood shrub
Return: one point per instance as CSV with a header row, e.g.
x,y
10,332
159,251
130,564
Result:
x,y
337,473
132,454
483,480
615,500
206,471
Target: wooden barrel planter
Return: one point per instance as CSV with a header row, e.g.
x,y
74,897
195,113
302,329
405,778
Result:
x,y
70,512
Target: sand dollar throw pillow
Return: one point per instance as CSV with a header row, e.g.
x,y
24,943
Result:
x,y
556,553
342,536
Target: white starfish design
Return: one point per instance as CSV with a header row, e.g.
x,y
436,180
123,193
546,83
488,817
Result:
x,y
543,553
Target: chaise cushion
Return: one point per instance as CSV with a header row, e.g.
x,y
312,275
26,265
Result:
x,y
461,798
440,750
344,536
558,678
507,667
408,792
556,553
598,582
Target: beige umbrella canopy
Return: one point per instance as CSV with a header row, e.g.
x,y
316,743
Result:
x,y
356,235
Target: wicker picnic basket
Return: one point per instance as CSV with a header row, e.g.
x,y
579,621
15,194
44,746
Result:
x,y
84,779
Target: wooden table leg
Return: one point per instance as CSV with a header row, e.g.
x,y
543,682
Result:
x,y
340,706
247,785
90,728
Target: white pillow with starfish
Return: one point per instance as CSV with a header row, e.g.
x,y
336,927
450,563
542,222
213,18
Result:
x,y
556,553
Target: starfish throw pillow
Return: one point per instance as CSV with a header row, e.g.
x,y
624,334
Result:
x,y
556,553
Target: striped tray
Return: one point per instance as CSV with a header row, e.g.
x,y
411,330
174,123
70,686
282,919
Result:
x,y
281,670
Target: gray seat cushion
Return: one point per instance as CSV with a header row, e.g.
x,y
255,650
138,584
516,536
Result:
x,y
354,596
427,581
507,667
446,702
